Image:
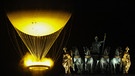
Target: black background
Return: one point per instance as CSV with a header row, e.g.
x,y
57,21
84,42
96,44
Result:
x,y
89,18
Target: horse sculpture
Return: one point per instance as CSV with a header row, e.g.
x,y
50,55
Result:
x,y
77,61
88,60
116,61
104,61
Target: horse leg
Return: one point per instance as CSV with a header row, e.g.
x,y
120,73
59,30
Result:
x,y
86,67
85,64
73,67
74,64
91,66
102,67
81,65
82,68
97,65
108,66
120,66
94,65
78,68
112,67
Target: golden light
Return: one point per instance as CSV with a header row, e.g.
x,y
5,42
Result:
x,y
38,23
38,29
35,64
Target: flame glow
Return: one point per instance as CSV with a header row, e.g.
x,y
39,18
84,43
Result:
x,y
34,63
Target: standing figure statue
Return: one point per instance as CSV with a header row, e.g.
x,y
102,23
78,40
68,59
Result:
x,y
67,61
96,46
96,51
126,61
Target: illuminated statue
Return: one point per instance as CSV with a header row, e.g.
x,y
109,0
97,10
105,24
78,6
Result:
x,y
96,51
104,61
77,61
126,60
67,61
96,46
88,60
116,61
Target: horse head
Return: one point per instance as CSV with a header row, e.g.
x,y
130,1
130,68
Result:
x,y
86,51
106,52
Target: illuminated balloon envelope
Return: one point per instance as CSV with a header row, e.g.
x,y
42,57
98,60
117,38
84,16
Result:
x,y
38,29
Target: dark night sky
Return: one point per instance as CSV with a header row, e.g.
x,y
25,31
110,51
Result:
x,y
89,18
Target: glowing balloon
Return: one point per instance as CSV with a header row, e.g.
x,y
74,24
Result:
x,y
38,29
38,23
